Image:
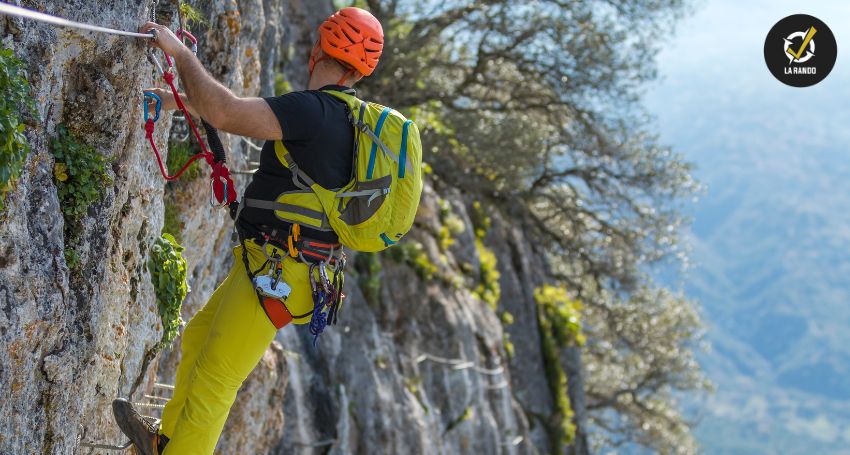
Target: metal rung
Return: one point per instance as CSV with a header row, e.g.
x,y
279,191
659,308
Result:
x,y
163,386
156,398
92,445
149,405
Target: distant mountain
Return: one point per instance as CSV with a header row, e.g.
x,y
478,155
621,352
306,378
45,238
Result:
x,y
771,236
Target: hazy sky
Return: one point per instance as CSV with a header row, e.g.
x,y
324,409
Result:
x,y
749,134
715,60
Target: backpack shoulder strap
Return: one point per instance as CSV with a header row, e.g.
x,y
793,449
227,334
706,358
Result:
x,y
299,177
348,97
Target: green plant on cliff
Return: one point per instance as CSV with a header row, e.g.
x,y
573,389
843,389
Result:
x,y
281,84
562,312
178,154
15,101
168,275
488,289
80,173
559,320
450,225
171,222
191,15
413,254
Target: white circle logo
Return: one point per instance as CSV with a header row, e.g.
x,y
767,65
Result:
x,y
794,55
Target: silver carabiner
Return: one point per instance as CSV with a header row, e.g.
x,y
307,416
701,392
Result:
x,y
213,202
155,61
277,269
324,277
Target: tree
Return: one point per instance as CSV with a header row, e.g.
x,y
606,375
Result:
x,y
535,107
639,354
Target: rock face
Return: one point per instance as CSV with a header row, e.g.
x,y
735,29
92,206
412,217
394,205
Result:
x,y
417,364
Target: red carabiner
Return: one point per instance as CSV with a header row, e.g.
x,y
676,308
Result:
x,y
181,33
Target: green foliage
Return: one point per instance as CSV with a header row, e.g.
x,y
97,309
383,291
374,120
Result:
x,y
72,258
450,225
412,254
644,361
488,289
561,425
339,4
15,101
368,267
171,220
168,275
480,220
466,415
413,386
509,345
562,313
507,318
191,16
560,326
178,154
281,84
80,174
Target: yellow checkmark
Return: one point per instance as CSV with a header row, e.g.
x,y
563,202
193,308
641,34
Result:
x,y
799,53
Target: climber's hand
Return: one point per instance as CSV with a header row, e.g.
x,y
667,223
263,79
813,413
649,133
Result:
x,y
168,102
165,39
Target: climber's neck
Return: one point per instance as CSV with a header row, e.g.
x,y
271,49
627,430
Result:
x,y
330,73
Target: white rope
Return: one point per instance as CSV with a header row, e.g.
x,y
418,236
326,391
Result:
x,y
460,364
13,10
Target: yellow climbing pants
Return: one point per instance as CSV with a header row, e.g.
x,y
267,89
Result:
x,y
221,346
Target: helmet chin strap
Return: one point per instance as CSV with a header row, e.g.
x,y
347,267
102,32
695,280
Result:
x,y
315,60
345,77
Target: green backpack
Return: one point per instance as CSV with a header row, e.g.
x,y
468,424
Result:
x,y
376,208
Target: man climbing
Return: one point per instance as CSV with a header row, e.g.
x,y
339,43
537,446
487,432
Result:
x,y
311,146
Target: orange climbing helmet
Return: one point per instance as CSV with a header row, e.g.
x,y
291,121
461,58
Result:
x,y
352,36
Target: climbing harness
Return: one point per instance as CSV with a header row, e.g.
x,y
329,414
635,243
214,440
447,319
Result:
x,y
12,10
222,189
319,256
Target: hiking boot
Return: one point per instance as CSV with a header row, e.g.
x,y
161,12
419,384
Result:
x,y
143,432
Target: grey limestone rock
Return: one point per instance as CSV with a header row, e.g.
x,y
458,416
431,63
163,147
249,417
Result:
x,y
419,368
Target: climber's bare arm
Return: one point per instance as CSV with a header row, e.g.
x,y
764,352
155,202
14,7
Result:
x,y
168,101
250,117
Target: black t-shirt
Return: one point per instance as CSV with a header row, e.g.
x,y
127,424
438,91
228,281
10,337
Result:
x,y
320,138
